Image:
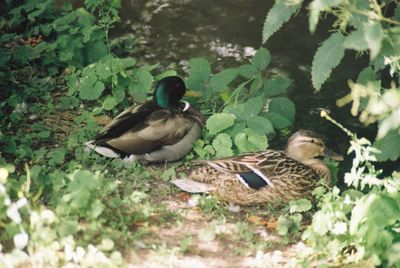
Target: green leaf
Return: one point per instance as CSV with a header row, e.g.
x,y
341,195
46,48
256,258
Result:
x,y
276,86
328,56
277,120
283,225
202,150
316,7
299,205
142,82
90,88
247,70
103,70
109,103
237,110
166,74
366,75
389,146
261,59
249,141
321,222
81,188
355,40
256,84
277,15
127,62
200,72
219,121
373,33
253,107
67,227
222,145
282,106
95,51
260,125
221,80
56,156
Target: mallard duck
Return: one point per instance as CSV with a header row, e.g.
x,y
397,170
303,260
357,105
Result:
x,y
163,129
264,177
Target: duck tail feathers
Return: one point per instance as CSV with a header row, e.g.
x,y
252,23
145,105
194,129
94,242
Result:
x,y
192,186
104,151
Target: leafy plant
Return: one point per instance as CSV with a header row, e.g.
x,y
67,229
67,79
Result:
x,y
360,223
244,114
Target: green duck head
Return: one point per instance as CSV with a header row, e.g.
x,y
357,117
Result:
x,y
169,91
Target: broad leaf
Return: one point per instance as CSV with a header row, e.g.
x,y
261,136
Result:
x,y
299,205
90,88
261,59
109,103
316,7
389,146
142,81
200,71
222,145
221,80
355,40
248,70
218,122
373,33
276,86
277,120
277,15
253,107
248,141
282,106
328,56
260,125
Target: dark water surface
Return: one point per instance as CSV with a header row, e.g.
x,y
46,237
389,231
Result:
x,y
227,33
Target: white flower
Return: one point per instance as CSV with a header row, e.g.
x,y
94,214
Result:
x,y
48,216
79,254
3,175
21,240
13,214
21,202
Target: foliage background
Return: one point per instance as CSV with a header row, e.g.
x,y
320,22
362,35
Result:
x,y
60,205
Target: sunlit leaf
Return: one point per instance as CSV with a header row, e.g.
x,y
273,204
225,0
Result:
x,y
219,121
260,125
277,16
248,141
299,205
389,146
222,145
373,33
316,7
328,56
253,107
142,82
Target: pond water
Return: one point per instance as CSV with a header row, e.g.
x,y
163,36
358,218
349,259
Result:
x,y
227,33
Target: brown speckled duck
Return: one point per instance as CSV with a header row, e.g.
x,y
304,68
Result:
x,y
264,177
163,129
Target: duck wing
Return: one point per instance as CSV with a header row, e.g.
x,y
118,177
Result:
x,y
254,170
144,129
